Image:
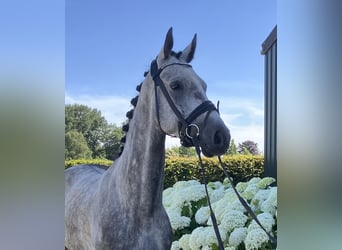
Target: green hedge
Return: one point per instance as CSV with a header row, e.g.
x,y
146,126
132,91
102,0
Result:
x,y
103,162
240,167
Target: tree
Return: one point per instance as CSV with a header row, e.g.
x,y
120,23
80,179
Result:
x,y
180,151
245,151
171,152
248,147
112,142
89,123
232,150
76,146
102,139
186,151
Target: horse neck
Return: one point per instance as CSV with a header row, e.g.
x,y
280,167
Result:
x,y
140,169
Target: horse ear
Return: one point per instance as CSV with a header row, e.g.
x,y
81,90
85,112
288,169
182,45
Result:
x,y
189,52
168,44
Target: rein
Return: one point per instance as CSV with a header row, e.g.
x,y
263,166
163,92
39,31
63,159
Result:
x,y
189,134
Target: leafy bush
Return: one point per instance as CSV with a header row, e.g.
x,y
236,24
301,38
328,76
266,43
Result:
x,y
240,168
186,206
103,162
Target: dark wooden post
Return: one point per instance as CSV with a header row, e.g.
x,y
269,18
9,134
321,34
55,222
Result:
x,y
269,50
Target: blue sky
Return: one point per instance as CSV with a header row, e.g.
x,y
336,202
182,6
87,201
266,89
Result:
x,y
109,44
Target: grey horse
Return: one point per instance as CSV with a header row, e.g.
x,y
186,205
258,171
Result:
x,y
121,207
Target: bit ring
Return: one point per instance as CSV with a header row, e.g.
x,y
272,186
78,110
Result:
x,y
189,135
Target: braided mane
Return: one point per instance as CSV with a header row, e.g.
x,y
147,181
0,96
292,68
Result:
x,y
134,102
129,116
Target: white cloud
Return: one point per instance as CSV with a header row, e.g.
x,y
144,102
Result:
x,y
249,132
113,108
172,142
245,119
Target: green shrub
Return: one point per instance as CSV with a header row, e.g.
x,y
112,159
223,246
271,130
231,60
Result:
x,y
240,168
103,162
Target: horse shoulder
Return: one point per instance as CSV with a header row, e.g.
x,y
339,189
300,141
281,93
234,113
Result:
x,y
81,185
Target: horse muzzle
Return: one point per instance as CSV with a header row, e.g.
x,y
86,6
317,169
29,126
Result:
x,y
215,136
211,134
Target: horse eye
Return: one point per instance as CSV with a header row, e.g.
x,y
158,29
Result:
x,y
175,85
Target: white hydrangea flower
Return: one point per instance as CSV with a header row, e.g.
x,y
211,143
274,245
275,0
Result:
x,y
266,220
232,220
196,238
241,186
229,248
219,213
175,245
202,215
219,209
184,242
173,202
226,183
259,198
210,236
168,191
215,185
182,194
183,184
255,238
216,194
177,221
236,205
237,236
204,238
250,191
224,206
230,213
168,197
265,182
254,180
230,195
270,204
193,192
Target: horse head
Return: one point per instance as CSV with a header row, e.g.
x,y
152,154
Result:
x,y
181,104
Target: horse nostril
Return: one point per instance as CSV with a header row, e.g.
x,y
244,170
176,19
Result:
x,y
217,138
215,141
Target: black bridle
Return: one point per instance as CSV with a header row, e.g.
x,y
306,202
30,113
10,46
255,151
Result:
x,y
187,129
189,136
